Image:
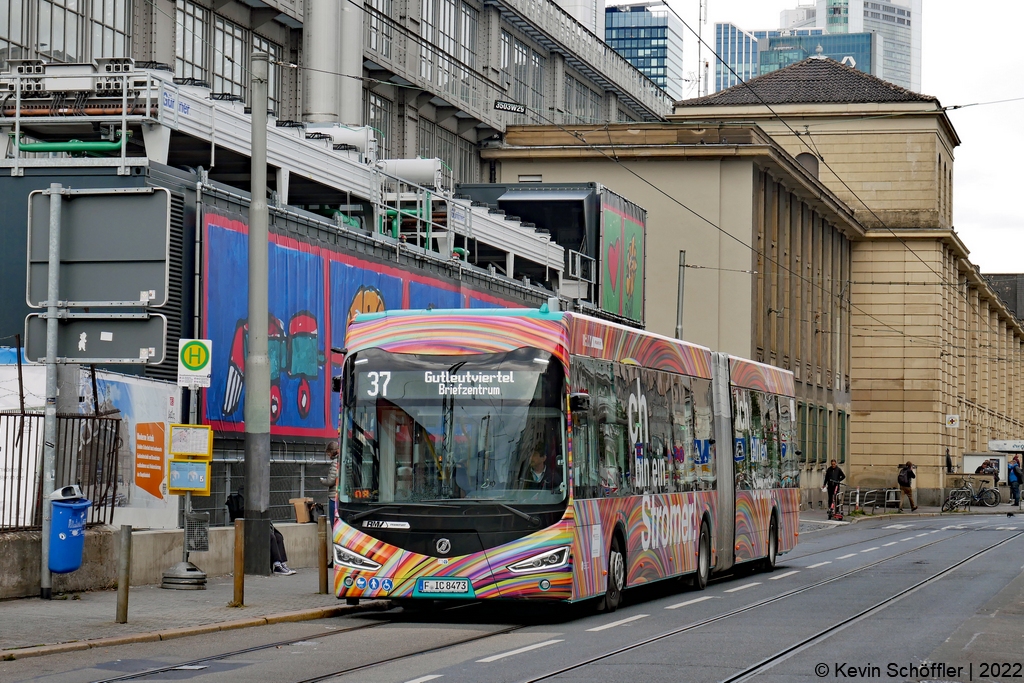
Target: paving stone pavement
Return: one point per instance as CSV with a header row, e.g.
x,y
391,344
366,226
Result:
x,y
30,622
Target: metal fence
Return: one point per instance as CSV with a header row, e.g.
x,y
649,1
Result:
x,y
295,472
86,455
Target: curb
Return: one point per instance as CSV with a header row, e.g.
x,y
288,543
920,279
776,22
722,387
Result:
x,y
170,634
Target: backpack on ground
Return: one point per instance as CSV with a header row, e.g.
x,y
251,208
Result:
x,y
904,477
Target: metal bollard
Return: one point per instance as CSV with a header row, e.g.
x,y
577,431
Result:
x,y
239,575
124,573
321,553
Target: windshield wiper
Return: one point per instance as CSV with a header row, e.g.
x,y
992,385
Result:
x,y
532,519
366,513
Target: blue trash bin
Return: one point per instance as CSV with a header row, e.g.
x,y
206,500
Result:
x,y
67,534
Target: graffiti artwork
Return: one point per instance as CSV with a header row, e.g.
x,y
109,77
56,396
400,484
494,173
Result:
x,y
314,292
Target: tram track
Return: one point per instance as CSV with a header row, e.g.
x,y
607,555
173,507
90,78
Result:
x,y
803,644
510,629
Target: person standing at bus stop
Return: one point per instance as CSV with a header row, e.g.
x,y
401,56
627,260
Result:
x,y
833,477
331,480
904,479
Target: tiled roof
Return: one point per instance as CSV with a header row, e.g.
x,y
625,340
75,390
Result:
x,y
814,80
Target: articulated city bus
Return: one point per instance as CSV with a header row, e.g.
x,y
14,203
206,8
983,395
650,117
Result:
x,y
537,454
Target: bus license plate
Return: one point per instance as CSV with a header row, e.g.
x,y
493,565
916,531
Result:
x,y
449,586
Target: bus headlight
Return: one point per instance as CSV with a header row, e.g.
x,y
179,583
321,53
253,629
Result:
x,y
347,558
552,559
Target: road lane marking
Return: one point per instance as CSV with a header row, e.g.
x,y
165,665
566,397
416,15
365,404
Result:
x,y
847,556
693,602
424,679
744,587
782,576
868,550
886,545
620,622
820,564
494,658
920,535
898,526
908,538
934,532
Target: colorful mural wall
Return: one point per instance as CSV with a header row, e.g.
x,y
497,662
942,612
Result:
x,y
623,229
315,289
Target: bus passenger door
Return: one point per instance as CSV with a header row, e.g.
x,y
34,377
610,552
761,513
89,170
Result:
x,y
725,525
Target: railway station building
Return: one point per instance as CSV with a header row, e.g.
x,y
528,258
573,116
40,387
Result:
x,y
936,355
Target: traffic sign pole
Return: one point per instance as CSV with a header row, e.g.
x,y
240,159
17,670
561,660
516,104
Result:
x,y
257,360
50,414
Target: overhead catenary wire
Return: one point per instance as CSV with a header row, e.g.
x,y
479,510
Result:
x,y
472,73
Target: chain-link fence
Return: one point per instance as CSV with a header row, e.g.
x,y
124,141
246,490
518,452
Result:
x,y
295,472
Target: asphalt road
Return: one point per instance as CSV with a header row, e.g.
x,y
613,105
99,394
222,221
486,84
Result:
x,y
929,599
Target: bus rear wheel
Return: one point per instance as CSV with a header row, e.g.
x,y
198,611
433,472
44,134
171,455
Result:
x,y
616,576
700,579
768,563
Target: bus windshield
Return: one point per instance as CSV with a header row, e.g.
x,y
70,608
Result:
x,y
421,428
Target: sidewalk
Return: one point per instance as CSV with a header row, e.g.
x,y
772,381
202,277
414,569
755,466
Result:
x,y
821,516
84,620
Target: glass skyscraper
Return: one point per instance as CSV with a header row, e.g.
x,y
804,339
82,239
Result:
x,y
898,22
737,49
650,36
779,49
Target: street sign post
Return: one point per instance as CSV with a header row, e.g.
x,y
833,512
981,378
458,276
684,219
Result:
x,y
99,266
194,366
85,338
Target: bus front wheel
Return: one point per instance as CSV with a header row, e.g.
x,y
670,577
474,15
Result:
x,y
616,576
768,564
700,579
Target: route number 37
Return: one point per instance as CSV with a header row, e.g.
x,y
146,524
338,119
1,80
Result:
x,y
378,383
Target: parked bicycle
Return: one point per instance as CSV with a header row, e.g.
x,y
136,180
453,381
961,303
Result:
x,y
964,496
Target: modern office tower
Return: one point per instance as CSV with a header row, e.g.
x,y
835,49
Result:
x,y
803,16
897,21
736,59
590,13
779,49
649,34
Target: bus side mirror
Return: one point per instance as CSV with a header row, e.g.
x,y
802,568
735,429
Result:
x,y
579,403
336,384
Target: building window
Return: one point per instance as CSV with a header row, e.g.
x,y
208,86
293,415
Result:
x,y
448,28
58,30
381,33
192,28
14,43
581,105
111,22
841,430
378,117
223,62
523,68
801,425
261,44
229,58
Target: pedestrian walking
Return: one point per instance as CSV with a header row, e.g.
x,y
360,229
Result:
x,y
331,480
904,479
1014,476
833,477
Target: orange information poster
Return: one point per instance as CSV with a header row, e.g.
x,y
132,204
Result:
x,y
150,453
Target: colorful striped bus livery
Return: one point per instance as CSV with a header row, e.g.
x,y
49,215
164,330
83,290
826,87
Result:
x,y
536,454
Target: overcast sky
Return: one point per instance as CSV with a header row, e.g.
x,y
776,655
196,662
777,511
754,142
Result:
x,y
968,56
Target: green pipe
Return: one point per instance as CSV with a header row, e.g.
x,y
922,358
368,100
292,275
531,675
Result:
x,y
461,252
72,146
